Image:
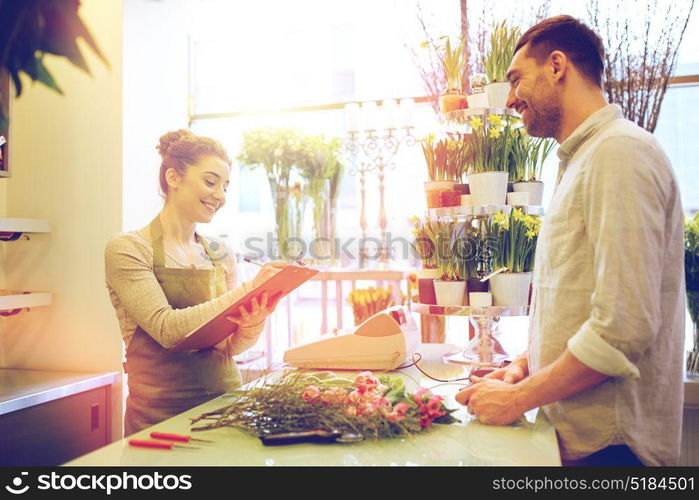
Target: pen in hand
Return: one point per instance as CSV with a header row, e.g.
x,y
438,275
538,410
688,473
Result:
x,y
248,259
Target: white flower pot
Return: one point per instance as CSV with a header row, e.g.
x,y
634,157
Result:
x,y
519,199
534,188
488,188
480,299
510,289
450,293
497,94
477,100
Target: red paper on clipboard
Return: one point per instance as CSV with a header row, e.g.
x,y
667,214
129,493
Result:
x,y
218,328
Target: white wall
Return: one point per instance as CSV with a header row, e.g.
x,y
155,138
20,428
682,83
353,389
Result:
x,y
67,168
155,98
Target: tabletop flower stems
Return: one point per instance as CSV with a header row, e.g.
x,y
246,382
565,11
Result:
x,y
374,407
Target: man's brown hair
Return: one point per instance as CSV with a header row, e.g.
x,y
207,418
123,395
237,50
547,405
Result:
x,y
569,35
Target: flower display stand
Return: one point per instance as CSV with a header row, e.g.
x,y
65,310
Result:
x,y
484,351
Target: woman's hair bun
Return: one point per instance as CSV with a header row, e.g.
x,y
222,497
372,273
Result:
x,y
170,138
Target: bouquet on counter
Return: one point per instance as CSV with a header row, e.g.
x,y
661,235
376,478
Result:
x,y
374,407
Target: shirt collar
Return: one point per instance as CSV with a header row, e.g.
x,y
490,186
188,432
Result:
x,y
587,128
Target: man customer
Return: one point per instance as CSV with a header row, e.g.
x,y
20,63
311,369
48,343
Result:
x,y
605,351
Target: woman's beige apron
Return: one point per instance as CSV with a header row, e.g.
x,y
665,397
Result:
x,y
161,383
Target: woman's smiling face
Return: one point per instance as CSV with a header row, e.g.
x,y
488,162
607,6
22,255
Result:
x,y
201,192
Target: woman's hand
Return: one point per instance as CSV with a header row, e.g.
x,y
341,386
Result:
x,y
258,311
268,270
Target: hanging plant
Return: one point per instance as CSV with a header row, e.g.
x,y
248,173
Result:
x,y
30,29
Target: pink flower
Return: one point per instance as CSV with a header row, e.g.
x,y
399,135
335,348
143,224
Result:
x,y
418,396
394,417
397,413
381,402
353,398
333,396
311,394
365,382
401,408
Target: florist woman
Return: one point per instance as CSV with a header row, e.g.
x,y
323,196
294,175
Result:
x,y
166,280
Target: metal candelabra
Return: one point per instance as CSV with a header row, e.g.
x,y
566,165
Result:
x,y
373,151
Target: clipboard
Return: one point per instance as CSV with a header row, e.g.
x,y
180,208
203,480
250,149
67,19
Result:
x,y
216,329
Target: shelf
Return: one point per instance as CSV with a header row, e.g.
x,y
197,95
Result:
x,y
461,115
11,229
493,311
21,301
482,210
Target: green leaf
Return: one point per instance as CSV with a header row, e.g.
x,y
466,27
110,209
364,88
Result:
x,y
60,36
45,77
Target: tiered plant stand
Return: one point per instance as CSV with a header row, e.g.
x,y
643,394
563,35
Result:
x,y
484,351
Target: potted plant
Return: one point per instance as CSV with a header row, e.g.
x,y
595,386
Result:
x,y
529,155
691,272
453,62
426,249
446,160
503,41
513,239
488,154
466,252
479,97
30,30
449,289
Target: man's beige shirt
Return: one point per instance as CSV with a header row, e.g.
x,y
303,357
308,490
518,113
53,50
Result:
x,y
609,286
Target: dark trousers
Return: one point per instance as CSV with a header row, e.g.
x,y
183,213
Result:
x,y
618,455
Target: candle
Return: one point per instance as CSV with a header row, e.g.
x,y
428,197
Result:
x,y
407,105
369,109
352,116
390,110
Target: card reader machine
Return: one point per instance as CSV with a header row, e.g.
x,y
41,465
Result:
x,y
382,342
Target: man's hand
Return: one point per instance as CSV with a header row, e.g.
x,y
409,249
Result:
x,y
512,373
493,401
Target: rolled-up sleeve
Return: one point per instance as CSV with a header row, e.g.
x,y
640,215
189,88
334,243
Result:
x,y
130,274
624,207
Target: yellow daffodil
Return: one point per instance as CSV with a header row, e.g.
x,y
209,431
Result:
x,y
494,133
529,221
495,120
517,214
476,123
414,219
500,219
530,234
